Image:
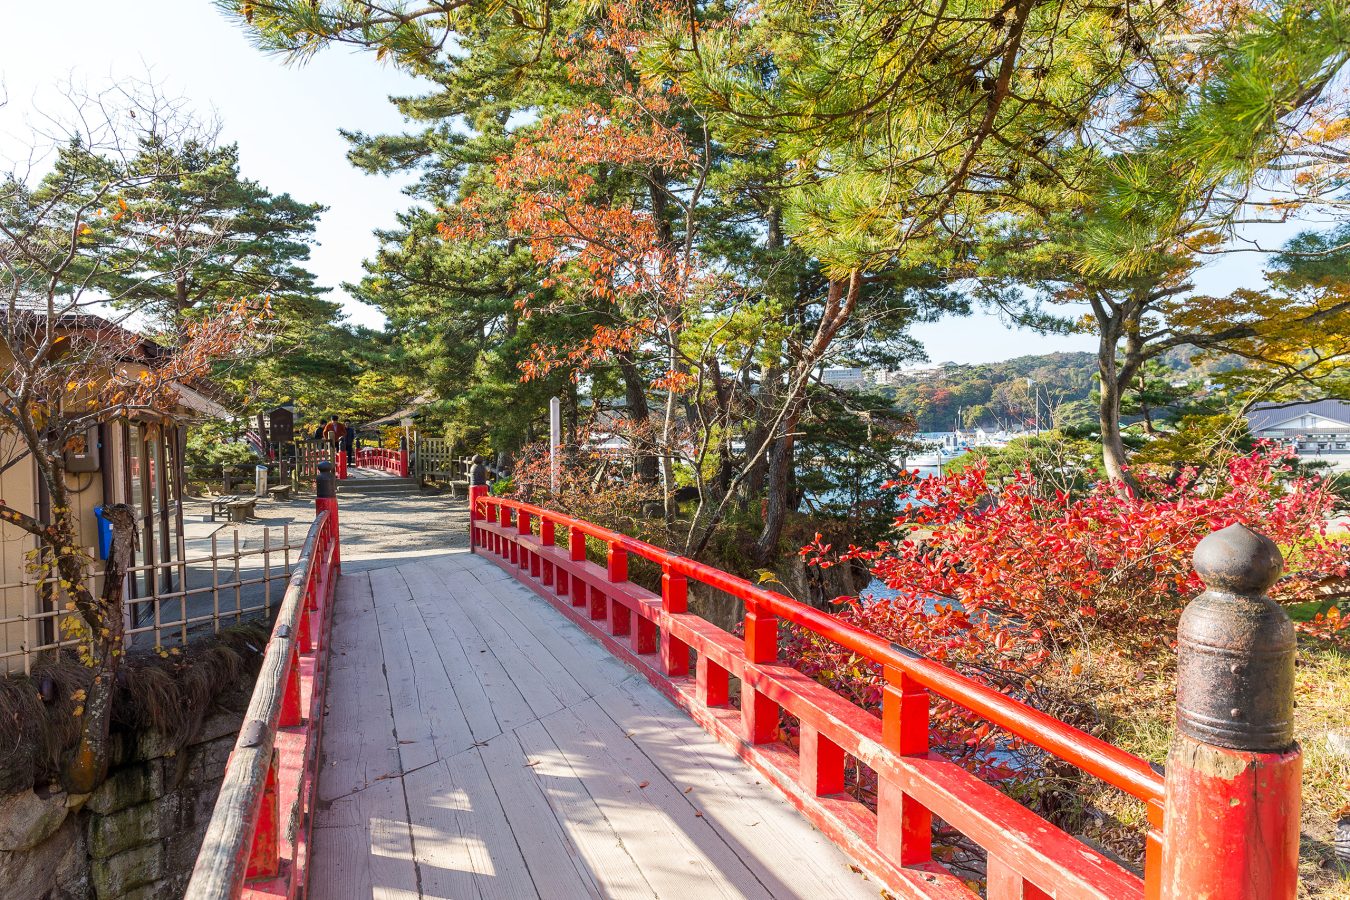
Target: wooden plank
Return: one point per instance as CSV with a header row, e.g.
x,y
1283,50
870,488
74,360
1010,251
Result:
x,y
515,645
370,853
600,848
485,701
678,851
359,746
412,729
788,854
555,862
437,702
510,708
464,845
591,665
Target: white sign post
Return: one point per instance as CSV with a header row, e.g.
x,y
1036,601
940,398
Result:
x,y
554,440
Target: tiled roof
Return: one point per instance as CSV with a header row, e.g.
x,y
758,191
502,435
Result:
x,y
1270,415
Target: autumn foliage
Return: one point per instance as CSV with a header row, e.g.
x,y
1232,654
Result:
x,y
1036,591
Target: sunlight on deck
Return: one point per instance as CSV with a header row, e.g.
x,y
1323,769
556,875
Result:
x,y
477,744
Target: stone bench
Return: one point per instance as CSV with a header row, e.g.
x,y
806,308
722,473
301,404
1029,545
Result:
x,y
280,492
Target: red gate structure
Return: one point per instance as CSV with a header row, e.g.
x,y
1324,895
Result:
x,y
257,842
1237,825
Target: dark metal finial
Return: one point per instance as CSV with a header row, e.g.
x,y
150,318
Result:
x,y
1235,648
325,485
1238,560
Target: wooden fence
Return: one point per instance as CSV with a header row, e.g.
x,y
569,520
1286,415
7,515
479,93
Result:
x,y
435,458
166,602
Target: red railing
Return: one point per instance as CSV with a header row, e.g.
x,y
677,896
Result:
x,y
257,843
1027,857
394,462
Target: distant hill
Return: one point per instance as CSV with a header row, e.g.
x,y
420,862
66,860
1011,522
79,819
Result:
x,y
997,395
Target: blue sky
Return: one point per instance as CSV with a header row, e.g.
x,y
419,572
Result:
x,y
286,120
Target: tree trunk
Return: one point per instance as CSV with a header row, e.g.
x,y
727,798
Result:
x,y
840,302
86,765
781,458
635,392
1113,445
1113,323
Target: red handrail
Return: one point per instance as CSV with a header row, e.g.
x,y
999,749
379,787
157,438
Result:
x,y
1108,762
393,461
256,844
1027,856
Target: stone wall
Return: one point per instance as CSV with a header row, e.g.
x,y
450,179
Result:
x,y
135,837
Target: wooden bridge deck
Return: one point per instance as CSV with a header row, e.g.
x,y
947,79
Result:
x,y
477,744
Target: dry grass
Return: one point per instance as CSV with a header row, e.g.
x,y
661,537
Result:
x,y
1323,699
1137,706
172,696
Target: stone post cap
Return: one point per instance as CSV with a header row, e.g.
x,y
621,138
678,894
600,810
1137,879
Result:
x,y
1235,648
1238,560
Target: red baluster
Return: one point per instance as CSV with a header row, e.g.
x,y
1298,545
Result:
x,y
264,857
822,762
617,571
1004,883
290,694
904,826
712,683
674,599
759,714
547,540
523,527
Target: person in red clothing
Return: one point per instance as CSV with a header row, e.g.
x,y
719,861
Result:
x,y
335,433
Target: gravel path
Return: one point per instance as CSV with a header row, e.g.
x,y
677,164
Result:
x,y
388,529
377,529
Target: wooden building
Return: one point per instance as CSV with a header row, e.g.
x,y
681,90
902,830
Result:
x,y
136,460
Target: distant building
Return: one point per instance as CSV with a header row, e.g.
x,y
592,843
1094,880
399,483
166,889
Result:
x,y
848,379
1312,428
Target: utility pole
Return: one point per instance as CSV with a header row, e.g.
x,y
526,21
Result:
x,y
554,439
1035,403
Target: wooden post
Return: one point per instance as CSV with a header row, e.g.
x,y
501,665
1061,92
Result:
x,y
904,826
759,714
1231,826
674,599
325,498
476,493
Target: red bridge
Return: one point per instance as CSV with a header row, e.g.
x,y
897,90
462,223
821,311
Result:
x,y
524,721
